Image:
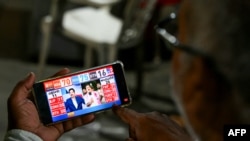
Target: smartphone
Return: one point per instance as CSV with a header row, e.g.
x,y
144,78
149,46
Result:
x,y
87,91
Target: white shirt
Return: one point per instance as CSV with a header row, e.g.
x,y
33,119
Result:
x,y
74,102
21,135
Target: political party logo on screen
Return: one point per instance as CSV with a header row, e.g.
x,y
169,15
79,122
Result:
x,y
92,75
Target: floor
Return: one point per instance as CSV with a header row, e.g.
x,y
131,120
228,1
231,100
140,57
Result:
x,y
106,127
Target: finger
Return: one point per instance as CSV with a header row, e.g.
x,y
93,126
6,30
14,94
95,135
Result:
x,y
61,72
157,114
132,132
79,121
83,120
22,89
127,115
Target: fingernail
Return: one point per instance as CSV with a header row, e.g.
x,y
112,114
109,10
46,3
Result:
x,y
29,74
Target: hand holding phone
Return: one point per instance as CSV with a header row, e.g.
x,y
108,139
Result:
x,y
81,93
22,113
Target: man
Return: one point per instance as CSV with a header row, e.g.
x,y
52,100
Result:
x,y
74,102
100,91
211,87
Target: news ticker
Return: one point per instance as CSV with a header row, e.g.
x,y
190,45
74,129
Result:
x,y
237,132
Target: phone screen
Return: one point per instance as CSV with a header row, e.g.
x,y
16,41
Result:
x,y
81,93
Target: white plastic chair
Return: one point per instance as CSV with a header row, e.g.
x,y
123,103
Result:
x,y
97,28
79,25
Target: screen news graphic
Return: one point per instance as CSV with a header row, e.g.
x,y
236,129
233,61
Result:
x,y
93,90
237,132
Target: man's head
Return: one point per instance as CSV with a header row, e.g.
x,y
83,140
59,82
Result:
x,y
72,92
84,91
98,85
211,93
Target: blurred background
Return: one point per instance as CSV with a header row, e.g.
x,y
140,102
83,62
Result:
x,y
44,36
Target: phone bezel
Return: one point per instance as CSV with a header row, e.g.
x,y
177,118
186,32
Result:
x,y
41,100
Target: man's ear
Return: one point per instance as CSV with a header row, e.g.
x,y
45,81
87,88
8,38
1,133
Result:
x,y
201,93
197,79
195,83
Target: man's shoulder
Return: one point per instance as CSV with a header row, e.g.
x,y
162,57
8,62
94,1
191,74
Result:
x,y
68,100
79,97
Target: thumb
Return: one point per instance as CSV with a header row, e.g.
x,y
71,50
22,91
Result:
x,y
22,89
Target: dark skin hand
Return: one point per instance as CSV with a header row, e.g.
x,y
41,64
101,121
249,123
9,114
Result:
x,y
22,113
150,126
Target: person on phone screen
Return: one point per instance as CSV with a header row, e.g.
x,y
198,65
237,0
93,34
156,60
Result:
x,y
75,102
91,97
100,91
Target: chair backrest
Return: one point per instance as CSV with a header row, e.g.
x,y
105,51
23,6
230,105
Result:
x,y
95,3
136,17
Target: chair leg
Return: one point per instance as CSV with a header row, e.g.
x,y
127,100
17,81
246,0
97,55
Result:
x,y
139,71
106,54
46,28
87,59
112,53
101,50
